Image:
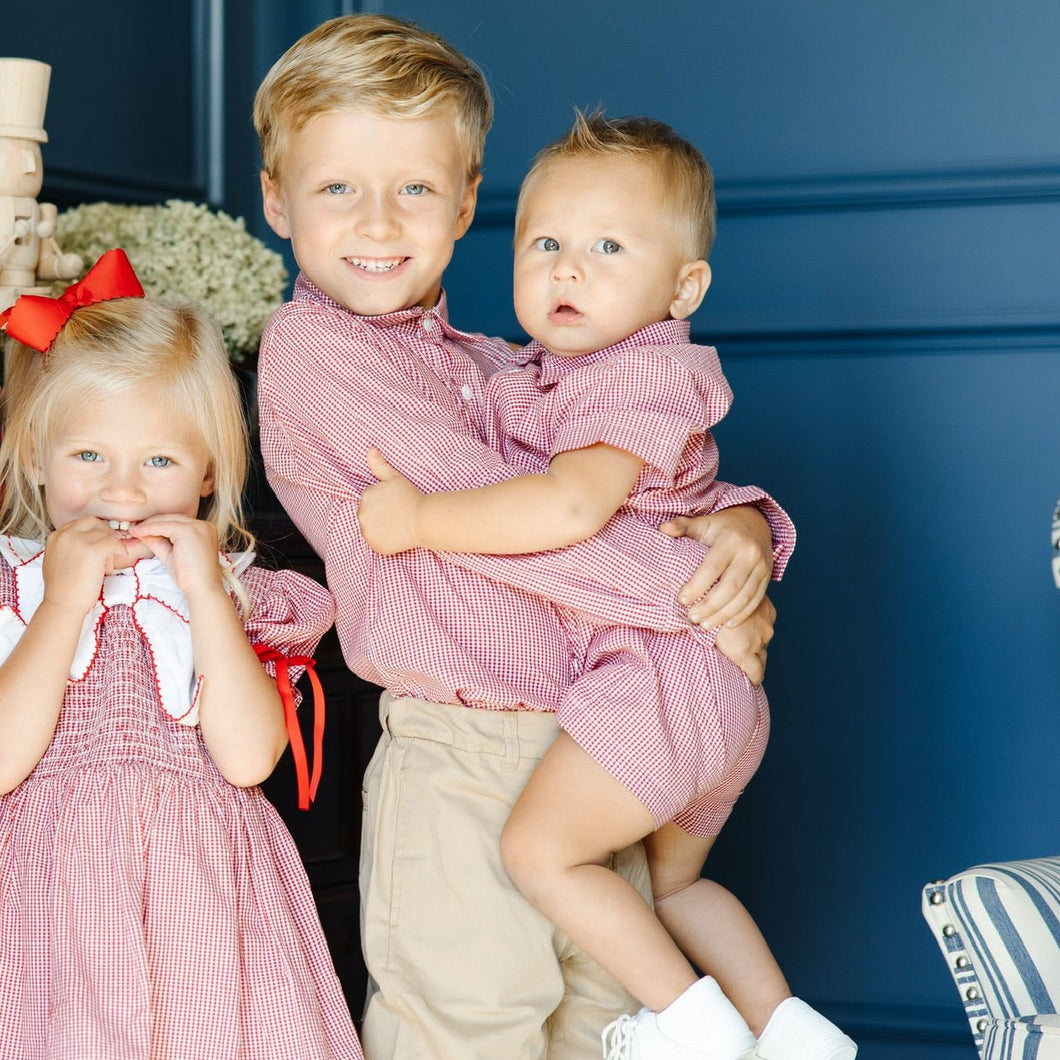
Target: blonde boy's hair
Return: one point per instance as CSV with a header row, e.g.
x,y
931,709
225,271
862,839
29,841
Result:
x,y
377,64
124,346
685,178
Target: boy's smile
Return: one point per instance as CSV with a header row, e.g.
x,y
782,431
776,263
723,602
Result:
x,y
372,206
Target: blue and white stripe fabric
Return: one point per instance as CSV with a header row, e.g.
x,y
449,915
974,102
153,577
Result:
x,y
998,926
1025,1038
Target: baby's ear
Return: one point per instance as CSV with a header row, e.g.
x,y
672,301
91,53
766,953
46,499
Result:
x,y
692,283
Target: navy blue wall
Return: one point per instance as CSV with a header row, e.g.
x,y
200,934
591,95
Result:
x,y
887,309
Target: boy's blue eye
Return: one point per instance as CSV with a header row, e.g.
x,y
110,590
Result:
x,y
606,246
337,188
158,461
414,189
547,243
89,456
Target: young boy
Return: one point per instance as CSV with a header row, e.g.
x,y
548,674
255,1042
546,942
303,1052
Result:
x,y
613,229
372,133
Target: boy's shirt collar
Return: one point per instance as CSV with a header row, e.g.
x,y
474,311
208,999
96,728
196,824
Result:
x,y
436,316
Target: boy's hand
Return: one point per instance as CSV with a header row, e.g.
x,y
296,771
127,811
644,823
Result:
x,y
387,512
732,580
746,643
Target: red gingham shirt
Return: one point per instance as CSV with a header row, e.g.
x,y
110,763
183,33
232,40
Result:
x,y
654,394
451,628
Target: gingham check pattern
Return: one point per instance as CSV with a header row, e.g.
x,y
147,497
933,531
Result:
x,y
148,908
665,713
477,630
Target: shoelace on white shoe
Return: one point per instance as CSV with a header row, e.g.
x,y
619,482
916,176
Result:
x,y
622,1033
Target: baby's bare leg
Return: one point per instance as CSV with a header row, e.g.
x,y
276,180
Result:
x,y
557,844
711,926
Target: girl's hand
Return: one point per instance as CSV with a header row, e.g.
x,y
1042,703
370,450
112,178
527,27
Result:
x,y
78,556
387,512
732,580
188,547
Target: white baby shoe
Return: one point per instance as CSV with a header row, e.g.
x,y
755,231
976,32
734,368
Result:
x,y
797,1032
702,1024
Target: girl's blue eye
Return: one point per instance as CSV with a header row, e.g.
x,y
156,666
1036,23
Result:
x,y
337,189
158,461
547,243
414,189
89,456
607,246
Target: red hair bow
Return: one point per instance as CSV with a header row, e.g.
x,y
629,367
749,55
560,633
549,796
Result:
x,y
35,320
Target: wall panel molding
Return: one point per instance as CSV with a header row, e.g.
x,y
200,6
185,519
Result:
x,y
67,187
902,342
137,117
955,261
890,190
870,191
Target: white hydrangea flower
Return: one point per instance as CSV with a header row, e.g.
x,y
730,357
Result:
x,y
185,250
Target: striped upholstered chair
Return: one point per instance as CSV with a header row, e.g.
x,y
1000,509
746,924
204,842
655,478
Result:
x,y
998,927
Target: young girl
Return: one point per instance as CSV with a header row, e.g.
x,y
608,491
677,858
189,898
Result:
x,y
152,903
660,731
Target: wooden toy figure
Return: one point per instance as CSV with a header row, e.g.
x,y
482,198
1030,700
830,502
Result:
x,y
29,254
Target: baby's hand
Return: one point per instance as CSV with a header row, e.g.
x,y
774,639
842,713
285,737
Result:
x,y
188,547
387,512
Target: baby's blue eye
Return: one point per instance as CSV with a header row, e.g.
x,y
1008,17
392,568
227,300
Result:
x,y
158,461
337,188
89,456
547,243
606,246
414,189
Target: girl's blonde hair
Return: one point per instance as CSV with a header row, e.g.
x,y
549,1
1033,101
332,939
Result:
x,y
124,346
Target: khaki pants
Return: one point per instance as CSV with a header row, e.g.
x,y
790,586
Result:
x,y
461,966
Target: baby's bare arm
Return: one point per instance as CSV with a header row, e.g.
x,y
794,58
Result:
x,y
581,490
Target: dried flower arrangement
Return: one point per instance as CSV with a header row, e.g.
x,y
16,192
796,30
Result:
x,y
185,250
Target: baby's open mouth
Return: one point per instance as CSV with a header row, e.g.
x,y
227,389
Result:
x,y
120,525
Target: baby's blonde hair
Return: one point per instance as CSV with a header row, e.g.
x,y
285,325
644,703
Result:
x,y
124,346
685,178
376,64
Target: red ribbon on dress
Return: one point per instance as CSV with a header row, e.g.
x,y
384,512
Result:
x,y
36,319
307,786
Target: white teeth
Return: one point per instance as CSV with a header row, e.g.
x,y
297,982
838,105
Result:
x,y
118,524
376,264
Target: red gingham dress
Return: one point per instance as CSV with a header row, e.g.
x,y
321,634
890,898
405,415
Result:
x,y
667,714
148,908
